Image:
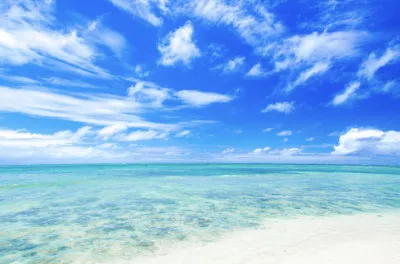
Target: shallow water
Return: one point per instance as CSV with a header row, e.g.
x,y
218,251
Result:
x,y
97,213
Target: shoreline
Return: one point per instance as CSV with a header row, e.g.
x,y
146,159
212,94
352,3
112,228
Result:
x,y
361,238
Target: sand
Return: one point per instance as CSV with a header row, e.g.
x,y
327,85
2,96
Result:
x,y
362,238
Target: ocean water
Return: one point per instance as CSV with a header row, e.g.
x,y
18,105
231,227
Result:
x,y
110,213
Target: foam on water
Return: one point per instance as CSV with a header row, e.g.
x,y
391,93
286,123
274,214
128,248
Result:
x,y
97,213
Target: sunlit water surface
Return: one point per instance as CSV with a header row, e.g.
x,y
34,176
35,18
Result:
x,y
99,213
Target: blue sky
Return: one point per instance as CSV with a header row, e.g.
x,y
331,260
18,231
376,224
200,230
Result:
x,y
211,81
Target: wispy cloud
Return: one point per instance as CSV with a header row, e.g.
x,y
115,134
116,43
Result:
x,y
110,131
100,35
146,10
284,133
370,66
23,139
29,34
141,72
318,47
85,108
69,83
141,135
269,129
149,93
256,71
252,22
197,98
286,151
184,133
228,151
261,150
317,69
232,65
347,94
178,46
283,107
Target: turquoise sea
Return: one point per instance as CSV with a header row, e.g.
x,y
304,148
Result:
x,y
106,213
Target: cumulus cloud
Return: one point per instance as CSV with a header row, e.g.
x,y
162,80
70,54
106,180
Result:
x,y
283,107
370,66
178,46
347,94
197,98
368,141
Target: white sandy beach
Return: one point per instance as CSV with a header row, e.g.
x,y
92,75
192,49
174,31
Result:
x,y
362,238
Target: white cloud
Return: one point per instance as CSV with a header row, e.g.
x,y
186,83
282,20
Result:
x,y
228,151
286,151
283,107
183,133
197,98
310,139
267,152
315,47
268,129
62,146
232,65
100,109
256,71
143,9
18,79
261,150
109,131
284,133
390,86
142,135
349,92
103,36
178,46
317,69
364,141
148,93
141,72
253,22
370,66
69,83
23,139
28,35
